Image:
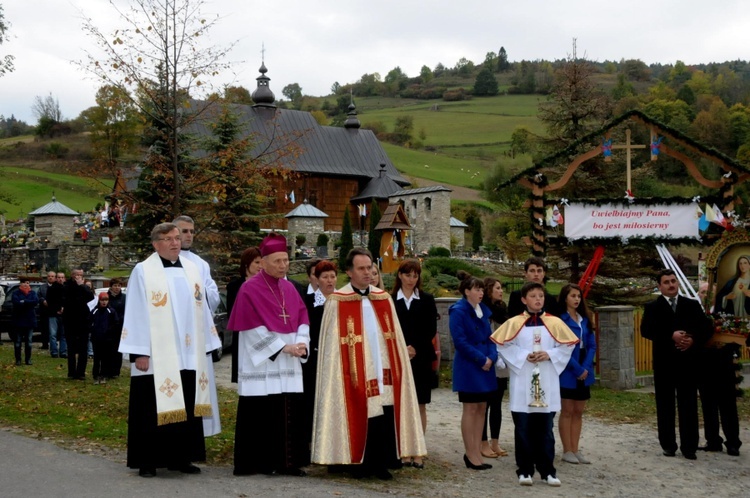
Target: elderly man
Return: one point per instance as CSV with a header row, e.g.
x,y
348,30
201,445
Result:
x,y
274,334
167,332
366,410
186,225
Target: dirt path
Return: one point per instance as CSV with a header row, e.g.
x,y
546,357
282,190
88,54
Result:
x,y
627,462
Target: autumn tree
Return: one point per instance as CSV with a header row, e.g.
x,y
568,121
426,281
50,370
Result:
x,y
114,124
158,56
6,61
576,104
293,92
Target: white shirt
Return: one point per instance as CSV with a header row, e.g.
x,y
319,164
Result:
x,y
407,301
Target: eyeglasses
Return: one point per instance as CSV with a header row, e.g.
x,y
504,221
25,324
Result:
x,y
188,230
169,239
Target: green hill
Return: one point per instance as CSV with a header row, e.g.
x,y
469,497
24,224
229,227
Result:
x,y
32,188
462,139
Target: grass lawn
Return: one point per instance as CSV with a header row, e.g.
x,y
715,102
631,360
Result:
x,y
442,168
32,188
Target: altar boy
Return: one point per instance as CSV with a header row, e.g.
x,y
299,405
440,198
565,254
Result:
x,y
536,346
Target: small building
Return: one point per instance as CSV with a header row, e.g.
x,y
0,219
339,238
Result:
x,y
429,213
458,233
305,220
54,222
393,223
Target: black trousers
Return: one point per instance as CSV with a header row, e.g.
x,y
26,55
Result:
x,y
719,397
495,410
671,382
78,356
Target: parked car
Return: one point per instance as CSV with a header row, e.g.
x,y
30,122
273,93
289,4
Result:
x,y
6,312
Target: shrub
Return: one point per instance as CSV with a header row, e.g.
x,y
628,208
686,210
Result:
x,y
451,266
300,240
447,281
439,252
322,240
56,150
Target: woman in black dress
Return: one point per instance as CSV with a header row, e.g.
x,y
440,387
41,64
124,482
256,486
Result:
x,y
417,315
493,299
249,266
325,272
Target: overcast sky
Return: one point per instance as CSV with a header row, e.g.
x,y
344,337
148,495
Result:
x,y
317,42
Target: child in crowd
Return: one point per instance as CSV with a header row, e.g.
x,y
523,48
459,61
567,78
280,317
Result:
x,y
536,347
104,336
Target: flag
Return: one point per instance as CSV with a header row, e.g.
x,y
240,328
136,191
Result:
x,y
291,197
718,217
703,223
710,214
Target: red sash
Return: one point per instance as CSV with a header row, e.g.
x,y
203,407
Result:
x,y
385,317
354,375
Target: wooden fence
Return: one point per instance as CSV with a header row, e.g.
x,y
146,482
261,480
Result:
x,y
643,347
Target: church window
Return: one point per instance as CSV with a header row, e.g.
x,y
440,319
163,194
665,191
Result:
x,y
428,204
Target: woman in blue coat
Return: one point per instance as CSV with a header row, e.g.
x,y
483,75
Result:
x,y
578,376
25,301
473,364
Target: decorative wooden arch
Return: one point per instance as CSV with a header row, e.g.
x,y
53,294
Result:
x,y
534,180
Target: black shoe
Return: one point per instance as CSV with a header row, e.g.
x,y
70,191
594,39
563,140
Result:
x,y
710,447
54,356
63,356
669,453
18,363
419,466
293,471
187,468
690,456
147,472
732,451
29,362
383,475
481,466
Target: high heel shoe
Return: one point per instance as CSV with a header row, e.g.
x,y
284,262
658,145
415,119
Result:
x,y
469,465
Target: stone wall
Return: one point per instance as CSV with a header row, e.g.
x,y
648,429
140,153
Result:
x,y
71,255
56,228
616,355
459,234
309,227
429,214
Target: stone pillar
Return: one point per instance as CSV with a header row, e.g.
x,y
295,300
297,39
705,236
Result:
x,y
444,332
616,347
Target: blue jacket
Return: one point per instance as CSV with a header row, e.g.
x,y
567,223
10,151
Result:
x,y
569,376
24,309
471,339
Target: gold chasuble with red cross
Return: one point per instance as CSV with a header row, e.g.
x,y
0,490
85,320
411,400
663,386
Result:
x,y
359,371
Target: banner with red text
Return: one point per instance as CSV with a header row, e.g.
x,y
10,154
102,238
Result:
x,y
629,220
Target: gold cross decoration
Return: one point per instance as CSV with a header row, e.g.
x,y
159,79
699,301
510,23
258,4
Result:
x,y
169,387
388,334
203,381
351,340
284,315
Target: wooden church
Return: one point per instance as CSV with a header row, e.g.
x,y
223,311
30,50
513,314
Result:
x,y
333,167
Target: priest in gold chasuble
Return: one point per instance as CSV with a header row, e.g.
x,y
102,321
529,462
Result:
x,y
366,410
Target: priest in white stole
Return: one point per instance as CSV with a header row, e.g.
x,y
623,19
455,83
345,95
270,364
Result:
x,y
212,423
167,332
366,409
274,335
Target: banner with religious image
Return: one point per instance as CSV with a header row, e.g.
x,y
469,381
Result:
x,y
631,220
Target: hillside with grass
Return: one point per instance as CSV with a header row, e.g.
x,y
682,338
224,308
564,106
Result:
x,y
31,175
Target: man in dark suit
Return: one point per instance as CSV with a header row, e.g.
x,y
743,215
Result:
x,y
534,271
678,328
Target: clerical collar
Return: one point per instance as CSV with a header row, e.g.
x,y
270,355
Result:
x,y
268,275
534,318
361,292
169,264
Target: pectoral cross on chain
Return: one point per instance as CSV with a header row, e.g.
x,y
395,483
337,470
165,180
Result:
x,y
283,315
351,340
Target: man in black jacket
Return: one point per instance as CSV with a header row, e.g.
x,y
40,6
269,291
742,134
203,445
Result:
x,y
55,299
678,328
75,315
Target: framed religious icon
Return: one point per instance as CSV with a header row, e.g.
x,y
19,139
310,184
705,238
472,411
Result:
x,y
728,296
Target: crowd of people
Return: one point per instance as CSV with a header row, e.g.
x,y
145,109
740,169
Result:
x,y
342,378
